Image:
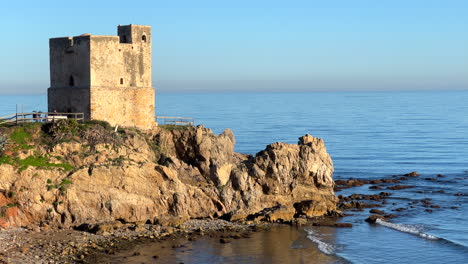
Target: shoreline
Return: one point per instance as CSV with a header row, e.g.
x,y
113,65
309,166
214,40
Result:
x,y
99,242
25,246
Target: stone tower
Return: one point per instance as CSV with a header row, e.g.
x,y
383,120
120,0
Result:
x,y
105,77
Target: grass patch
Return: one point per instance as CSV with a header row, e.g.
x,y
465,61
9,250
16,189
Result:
x,y
6,160
34,161
20,136
40,162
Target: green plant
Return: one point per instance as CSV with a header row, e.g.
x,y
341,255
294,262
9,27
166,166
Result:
x,y
66,181
102,123
4,208
6,160
40,162
175,127
63,186
118,161
20,136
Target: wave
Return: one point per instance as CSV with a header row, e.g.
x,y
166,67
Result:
x,y
411,229
417,230
324,247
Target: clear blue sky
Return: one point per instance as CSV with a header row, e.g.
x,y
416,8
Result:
x,y
262,45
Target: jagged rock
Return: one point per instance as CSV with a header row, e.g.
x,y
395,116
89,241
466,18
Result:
x,y
312,208
167,177
277,213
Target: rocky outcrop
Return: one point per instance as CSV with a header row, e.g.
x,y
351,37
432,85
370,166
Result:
x,y
168,176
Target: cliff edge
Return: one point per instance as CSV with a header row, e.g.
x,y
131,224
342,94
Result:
x,y
67,174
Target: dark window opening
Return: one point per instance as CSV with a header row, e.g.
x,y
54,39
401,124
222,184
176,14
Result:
x,y
143,38
71,82
121,80
124,39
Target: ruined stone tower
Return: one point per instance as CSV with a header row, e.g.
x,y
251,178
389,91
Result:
x,y
105,77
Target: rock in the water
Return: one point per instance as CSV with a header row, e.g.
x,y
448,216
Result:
x,y
412,174
373,218
400,187
377,211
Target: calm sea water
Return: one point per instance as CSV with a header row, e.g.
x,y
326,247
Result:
x,y
369,135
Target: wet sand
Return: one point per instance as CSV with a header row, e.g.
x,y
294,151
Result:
x,y
280,244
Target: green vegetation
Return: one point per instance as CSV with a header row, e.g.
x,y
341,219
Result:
x,y
21,136
4,208
91,123
6,160
119,161
175,127
34,161
62,186
40,162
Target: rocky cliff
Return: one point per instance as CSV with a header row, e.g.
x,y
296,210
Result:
x,y
67,174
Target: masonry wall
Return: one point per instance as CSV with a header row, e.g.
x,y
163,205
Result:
x,y
111,77
69,75
130,107
70,58
69,100
115,64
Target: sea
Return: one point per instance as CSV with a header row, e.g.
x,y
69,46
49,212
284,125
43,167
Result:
x,y
369,135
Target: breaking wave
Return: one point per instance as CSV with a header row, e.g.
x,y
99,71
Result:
x,y
411,229
324,247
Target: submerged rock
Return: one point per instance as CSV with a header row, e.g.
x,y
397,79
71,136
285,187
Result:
x,y
377,211
412,174
373,218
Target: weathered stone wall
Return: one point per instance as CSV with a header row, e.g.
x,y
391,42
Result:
x,y
116,71
129,107
70,57
69,100
115,64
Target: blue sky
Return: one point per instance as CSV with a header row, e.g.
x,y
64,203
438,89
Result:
x,y
256,45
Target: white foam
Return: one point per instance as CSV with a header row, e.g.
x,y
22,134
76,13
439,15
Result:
x,y
407,229
324,247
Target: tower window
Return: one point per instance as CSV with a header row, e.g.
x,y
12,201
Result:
x,y
143,38
124,39
121,80
71,81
